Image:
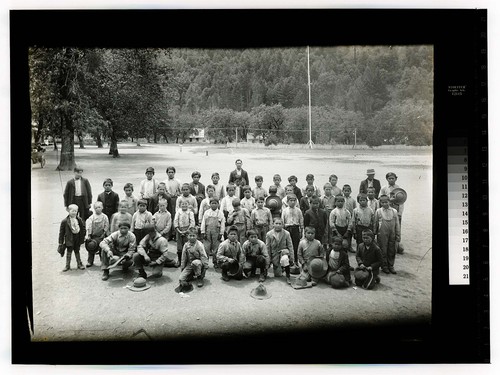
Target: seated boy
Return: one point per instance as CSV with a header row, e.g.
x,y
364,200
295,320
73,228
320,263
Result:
x,y
278,240
153,251
119,243
256,256
230,256
309,248
369,258
339,274
194,261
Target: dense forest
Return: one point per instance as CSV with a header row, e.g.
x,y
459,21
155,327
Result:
x,y
383,94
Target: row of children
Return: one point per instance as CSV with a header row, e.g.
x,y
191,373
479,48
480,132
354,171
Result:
x,y
236,259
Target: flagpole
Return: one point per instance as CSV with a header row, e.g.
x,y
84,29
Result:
x,y
310,143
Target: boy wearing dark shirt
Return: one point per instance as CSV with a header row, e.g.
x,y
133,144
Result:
x,y
369,258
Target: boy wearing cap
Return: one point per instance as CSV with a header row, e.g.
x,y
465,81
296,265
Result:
x,y
153,251
79,192
292,180
139,220
256,256
370,182
369,259
240,218
194,262
261,219
388,233
309,248
293,221
148,185
71,236
277,240
212,229
229,253
121,243
110,200
97,227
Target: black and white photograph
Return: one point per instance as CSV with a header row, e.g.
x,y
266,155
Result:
x,y
272,188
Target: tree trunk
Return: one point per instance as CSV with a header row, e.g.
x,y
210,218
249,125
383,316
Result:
x,y
98,141
154,138
113,148
67,162
166,139
80,140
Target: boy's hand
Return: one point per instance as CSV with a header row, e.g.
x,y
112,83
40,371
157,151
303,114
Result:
x,y
369,268
362,266
126,257
147,259
153,263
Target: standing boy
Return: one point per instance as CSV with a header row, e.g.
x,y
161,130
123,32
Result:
x,y
387,190
139,220
194,260
310,182
205,203
309,248
259,191
184,219
219,188
196,188
238,175
340,220
130,198
148,185
350,203
212,229
226,204
373,202
121,216
162,219
248,201
188,198
161,193
277,241
110,200
316,217
79,192
293,221
328,204
333,179
97,227
240,218
292,180
71,236
230,256
362,218
261,219
173,191
280,192
388,233
305,201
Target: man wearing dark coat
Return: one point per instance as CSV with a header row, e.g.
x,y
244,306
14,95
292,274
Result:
x,y
237,175
370,182
79,192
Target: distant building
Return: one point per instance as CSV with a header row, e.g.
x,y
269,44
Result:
x,y
251,138
193,137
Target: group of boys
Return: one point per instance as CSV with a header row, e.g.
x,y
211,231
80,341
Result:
x,y
241,229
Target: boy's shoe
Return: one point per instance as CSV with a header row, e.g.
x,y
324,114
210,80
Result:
x,y
377,280
81,266
90,264
225,277
262,278
386,270
288,281
67,268
314,283
105,275
143,274
392,270
200,283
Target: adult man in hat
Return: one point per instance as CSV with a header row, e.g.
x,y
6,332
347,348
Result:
x,y
370,182
79,192
121,243
237,175
153,251
230,256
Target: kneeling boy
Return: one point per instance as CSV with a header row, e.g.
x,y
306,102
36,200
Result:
x,y
229,253
194,262
369,258
119,243
256,256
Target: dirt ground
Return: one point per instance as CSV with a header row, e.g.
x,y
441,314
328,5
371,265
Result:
x,y
77,305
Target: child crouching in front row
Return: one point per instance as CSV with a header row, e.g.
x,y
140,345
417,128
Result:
x,y
71,237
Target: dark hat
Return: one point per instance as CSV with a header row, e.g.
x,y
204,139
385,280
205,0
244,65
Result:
x,y
260,292
234,269
184,287
273,202
365,277
91,245
150,169
301,283
400,248
140,284
399,195
337,280
318,267
294,270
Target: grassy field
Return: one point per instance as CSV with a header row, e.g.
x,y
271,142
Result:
x,y
77,305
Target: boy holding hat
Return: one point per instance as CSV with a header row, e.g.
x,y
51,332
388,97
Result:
x,y
71,236
277,241
97,226
369,259
387,190
230,256
148,185
370,182
309,248
79,192
256,256
153,251
339,274
194,261
121,243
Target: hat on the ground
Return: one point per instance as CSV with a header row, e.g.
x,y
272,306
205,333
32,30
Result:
x,y
184,287
91,245
365,277
140,284
370,171
337,280
294,270
197,265
260,292
400,248
234,269
399,195
301,283
318,267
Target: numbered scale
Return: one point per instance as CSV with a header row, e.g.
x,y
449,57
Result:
x,y
458,212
